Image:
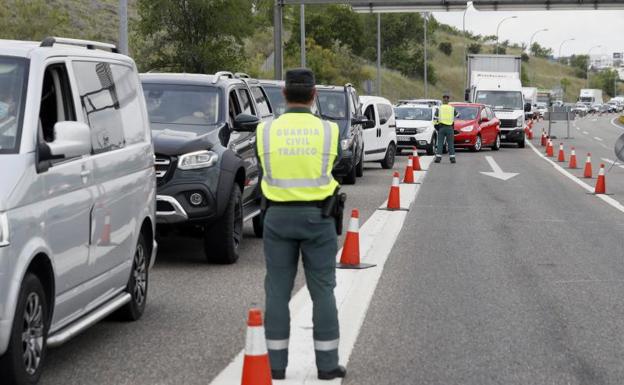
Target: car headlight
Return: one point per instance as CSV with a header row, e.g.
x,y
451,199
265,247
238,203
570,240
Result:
x,y
199,159
4,230
420,130
344,144
467,129
520,121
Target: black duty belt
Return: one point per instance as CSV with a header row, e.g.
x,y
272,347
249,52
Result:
x,y
318,204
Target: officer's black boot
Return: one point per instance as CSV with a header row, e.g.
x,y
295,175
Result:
x,y
279,374
437,159
339,372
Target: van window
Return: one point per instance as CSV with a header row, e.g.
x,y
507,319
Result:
x,y
245,101
132,118
56,101
13,84
261,101
101,104
370,113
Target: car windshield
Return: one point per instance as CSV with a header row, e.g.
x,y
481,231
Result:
x,y
12,95
276,98
501,100
193,108
466,112
412,113
333,104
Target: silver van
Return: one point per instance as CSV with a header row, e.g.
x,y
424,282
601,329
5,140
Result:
x,y
77,196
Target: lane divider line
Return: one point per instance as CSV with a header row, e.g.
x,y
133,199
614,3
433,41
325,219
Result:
x,y
614,163
585,132
598,139
354,292
606,198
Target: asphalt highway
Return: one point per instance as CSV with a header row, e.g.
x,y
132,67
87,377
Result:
x,y
489,282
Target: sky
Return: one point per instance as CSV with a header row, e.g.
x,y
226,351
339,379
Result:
x,y
588,27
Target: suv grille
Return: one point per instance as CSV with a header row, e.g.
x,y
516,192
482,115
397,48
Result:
x,y
508,123
163,166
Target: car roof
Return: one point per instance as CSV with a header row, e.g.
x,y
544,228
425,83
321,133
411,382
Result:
x,y
274,83
55,46
374,99
190,79
414,105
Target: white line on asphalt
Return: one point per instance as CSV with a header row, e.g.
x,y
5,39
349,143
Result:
x,y
615,204
577,128
603,145
585,132
598,139
614,163
497,172
354,291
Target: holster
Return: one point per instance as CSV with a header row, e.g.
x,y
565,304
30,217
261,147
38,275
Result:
x,y
333,206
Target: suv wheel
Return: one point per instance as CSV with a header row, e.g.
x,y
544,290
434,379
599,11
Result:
x,y
359,169
221,240
23,361
388,161
350,177
431,148
137,284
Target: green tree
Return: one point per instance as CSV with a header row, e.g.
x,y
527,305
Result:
x,y
31,19
194,35
580,64
539,51
474,48
446,47
606,81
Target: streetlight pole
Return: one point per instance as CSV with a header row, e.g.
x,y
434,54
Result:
x,y
426,14
561,45
589,63
533,36
123,26
466,43
379,54
303,35
498,28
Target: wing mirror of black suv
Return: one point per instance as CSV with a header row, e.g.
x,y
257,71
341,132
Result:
x,y
246,123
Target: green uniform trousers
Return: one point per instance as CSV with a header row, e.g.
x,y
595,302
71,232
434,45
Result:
x,y
446,131
290,231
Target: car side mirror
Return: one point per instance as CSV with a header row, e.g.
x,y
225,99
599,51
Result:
x,y
485,120
527,107
246,123
71,139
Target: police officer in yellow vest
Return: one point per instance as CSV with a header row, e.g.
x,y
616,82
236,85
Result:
x,y
297,152
445,117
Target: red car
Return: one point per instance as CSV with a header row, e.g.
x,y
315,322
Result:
x,y
477,125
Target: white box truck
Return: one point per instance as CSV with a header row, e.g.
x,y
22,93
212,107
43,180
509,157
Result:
x,y
530,97
590,97
494,80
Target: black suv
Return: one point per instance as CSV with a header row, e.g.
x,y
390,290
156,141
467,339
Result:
x,y
203,127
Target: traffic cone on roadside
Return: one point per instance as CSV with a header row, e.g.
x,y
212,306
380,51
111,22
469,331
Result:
x,y
409,171
572,163
561,157
530,133
256,367
587,173
350,256
601,187
415,160
394,199
543,140
549,149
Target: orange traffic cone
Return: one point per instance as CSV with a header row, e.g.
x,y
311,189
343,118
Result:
x,y
587,173
415,160
350,257
572,158
561,157
601,187
409,171
549,149
543,141
530,133
256,367
394,199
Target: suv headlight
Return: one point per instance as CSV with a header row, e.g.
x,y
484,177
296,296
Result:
x,y
4,230
199,159
520,121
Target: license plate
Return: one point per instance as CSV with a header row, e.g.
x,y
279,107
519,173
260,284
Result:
x,y
503,136
402,138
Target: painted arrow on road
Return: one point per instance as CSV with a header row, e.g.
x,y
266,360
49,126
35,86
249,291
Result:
x,y
497,172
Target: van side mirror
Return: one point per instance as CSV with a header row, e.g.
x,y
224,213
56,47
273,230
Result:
x,y
527,107
71,139
246,123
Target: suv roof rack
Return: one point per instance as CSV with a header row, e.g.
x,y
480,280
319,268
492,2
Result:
x,y
222,74
88,44
241,75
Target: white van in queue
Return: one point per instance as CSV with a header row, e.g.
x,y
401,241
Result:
x,y
380,142
415,127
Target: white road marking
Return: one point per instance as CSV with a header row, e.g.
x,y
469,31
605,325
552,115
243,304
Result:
x,y
598,139
578,129
606,198
354,291
497,172
585,132
603,145
614,163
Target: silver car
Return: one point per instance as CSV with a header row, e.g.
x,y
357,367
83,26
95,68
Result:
x,y
77,196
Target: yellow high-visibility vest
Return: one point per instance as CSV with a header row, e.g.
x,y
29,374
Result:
x,y
297,152
447,115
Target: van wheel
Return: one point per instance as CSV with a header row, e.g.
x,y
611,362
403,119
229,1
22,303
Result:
x,y
359,169
350,177
521,143
137,284
23,361
221,240
497,143
431,148
258,225
388,161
